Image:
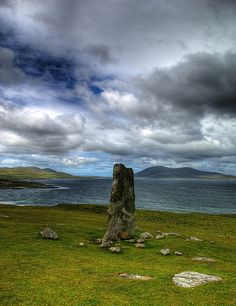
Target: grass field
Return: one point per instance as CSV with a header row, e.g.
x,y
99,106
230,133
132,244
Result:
x,y
35,271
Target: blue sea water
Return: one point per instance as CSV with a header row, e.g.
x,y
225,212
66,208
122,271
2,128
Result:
x,y
178,195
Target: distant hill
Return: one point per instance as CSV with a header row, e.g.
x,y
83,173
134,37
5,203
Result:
x,y
30,173
188,173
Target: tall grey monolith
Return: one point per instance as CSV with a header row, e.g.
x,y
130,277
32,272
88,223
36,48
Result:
x,y
121,219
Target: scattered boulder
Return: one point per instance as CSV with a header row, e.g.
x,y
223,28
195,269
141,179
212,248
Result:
x,y
121,219
171,234
193,279
178,253
140,240
98,241
205,259
146,235
158,237
165,252
140,245
115,249
48,233
81,244
192,238
134,276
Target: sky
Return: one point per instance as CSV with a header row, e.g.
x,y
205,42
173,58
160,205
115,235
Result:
x,y
85,84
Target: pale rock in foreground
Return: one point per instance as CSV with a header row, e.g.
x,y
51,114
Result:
x,y
81,244
48,233
192,238
140,240
146,235
177,253
115,249
140,245
134,276
158,237
171,234
190,279
205,259
165,252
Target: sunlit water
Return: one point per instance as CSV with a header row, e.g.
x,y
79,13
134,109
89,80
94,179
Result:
x,y
209,196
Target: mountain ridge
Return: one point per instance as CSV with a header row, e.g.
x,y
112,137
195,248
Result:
x,y
184,172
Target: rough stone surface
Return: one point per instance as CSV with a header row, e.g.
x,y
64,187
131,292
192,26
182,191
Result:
x,y
146,235
140,240
115,249
49,233
165,252
140,245
190,279
158,237
121,220
192,238
205,259
178,253
134,276
81,244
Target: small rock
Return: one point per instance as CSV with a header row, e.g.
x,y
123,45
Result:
x,y
115,249
107,244
49,233
146,235
130,240
140,240
165,251
212,242
178,253
99,241
206,259
4,216
134,276
81,244
139,245
158,237
192,238
192,279
171,234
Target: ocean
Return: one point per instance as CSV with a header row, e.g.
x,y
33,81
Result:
x,y
176,195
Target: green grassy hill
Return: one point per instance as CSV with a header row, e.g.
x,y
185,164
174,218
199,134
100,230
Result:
x,y
28,173
35,271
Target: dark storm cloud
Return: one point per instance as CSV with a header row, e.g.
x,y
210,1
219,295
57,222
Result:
x,y
201,83
154,80
10,74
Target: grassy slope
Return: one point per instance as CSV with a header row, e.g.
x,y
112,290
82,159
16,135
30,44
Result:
x,y
27,173
43,272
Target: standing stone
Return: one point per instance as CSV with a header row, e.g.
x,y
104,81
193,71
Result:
x,y
121,220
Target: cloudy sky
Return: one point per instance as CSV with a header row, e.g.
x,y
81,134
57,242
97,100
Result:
x,y
86,83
